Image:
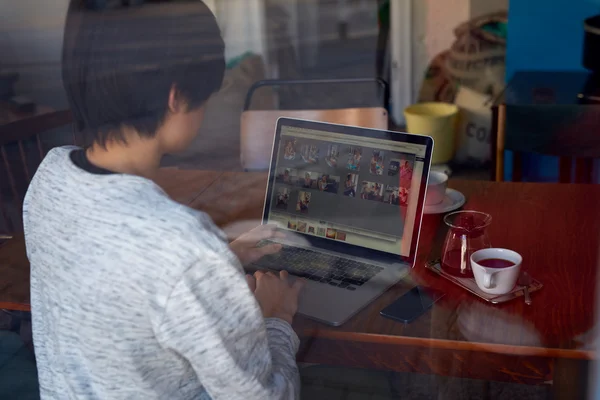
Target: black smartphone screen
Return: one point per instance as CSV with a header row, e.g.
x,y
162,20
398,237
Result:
x,y
412,304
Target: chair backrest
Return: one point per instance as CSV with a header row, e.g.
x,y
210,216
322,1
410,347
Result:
x,y
258,128
569,132
18,163
365,92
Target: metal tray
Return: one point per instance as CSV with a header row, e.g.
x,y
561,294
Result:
x,y
469,285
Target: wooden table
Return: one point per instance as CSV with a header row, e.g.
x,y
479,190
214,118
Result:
x,y
555,227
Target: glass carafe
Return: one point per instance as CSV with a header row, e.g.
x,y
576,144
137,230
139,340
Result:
x,y
467,233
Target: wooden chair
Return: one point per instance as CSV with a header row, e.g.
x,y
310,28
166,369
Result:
x,y
18,163
569,132
257,129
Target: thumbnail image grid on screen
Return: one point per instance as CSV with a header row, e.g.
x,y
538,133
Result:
x,y
355,186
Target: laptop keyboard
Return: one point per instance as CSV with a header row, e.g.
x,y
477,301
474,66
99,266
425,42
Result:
x,y
319,267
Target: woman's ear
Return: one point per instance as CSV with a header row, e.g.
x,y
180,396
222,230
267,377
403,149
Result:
x,y
174,100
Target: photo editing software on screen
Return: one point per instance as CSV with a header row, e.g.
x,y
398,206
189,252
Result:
x,y
358,190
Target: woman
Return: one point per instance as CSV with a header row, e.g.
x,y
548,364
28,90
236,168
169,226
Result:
x,y
286,177
307,181
323,183
406,173
349,187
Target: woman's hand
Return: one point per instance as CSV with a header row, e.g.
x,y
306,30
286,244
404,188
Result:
x,y
245,247
276,297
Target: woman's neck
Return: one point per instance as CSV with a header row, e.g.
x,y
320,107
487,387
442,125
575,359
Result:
x,y
138,157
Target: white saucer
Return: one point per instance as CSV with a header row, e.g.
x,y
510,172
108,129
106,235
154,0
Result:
x,y
453,201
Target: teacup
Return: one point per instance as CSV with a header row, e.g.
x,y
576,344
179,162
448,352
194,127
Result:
x,y
436,188
496,270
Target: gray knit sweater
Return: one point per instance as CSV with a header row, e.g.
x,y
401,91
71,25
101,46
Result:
x,y
135,296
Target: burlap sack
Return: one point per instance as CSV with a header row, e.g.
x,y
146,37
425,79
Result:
x,y
475,60
477,57
437,85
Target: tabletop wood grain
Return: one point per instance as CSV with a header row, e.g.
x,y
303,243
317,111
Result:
x,y
555,227
557,230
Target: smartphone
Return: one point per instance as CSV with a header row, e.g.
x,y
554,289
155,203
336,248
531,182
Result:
x,y
412,305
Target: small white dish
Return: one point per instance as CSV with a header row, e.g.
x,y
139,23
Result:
x,y
452,201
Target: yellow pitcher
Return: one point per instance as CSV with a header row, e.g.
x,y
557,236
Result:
x,y
437,120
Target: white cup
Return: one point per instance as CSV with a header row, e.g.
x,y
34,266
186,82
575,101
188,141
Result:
x,y
436,188
496,280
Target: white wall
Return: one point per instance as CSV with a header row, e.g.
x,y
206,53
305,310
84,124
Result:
x,y
482,7
442,16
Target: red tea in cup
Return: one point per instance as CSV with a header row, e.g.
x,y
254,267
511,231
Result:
x,y
495,263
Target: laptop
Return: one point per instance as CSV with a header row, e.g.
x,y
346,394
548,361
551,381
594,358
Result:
x,y
351,202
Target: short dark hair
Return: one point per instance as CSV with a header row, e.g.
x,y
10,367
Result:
x,y
118,66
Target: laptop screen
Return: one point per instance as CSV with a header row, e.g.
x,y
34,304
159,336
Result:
x,y
363,191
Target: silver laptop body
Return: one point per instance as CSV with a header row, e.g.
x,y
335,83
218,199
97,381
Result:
x,y
350,201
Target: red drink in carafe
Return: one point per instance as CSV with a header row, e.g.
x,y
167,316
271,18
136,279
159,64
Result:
x,y
466,235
